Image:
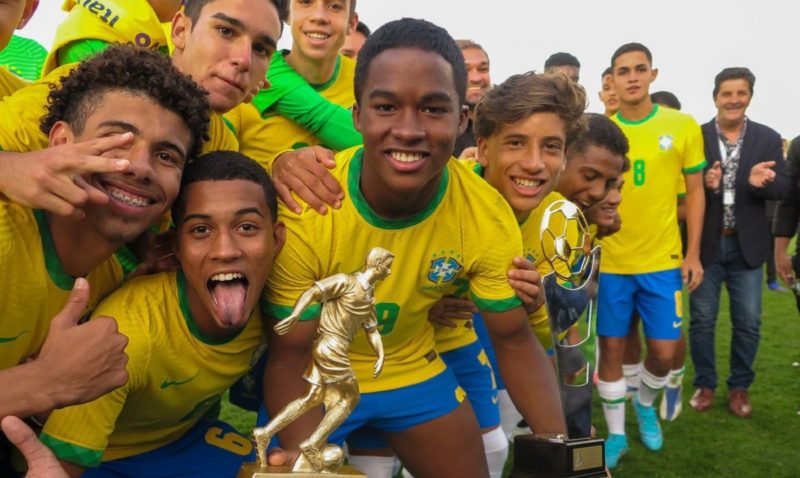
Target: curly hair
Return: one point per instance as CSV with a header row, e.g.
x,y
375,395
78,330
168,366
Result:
x,y
604,133
522,95
136,70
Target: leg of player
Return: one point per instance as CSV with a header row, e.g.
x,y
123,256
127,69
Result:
x,y
654,376
375,463
672,400
611,388
632,360
446,446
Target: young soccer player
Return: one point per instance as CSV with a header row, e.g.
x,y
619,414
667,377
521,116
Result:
x,y
403,194
642,270
45,253
224,45
607,94
191,334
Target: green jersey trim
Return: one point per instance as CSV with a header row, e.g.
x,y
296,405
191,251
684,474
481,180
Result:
x,y
695,169
495,305
364,209
85,457
332,80
230,126
638,122
280,312
55,270
183,299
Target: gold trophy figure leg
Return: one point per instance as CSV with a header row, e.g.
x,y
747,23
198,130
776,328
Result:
x,y
296,408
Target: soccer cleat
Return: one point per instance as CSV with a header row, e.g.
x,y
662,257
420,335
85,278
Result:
x,y
616,446
649,428
671,403
775,286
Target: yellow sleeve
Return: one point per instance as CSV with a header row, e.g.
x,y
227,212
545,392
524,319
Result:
x,y
80,434
694,158
9,83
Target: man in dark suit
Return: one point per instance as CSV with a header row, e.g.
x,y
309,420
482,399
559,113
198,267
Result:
x,y
746,168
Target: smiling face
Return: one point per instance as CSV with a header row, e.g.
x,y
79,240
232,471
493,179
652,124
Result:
x,y
604,213
227,51
589,175
478,79
319,27
524,159
226,249
409,128
732,101
632,76
608,96
140,196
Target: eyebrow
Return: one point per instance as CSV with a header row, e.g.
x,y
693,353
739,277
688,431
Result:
x,y
130,128
238,213
235,22
435,96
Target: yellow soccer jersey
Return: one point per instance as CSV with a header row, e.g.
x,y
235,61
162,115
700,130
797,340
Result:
x,y
176,374
9,83
35,286
443,243
664,145
263,140
21,113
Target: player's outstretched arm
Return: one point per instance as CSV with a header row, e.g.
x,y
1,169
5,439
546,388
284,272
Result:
x,y
53,178
305,172
41,461
528,373
692,269
77,364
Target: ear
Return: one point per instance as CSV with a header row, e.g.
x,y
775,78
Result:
x,y
181,26
356,121
463,120
352,23
61,133
655,74
483,148
27,13
279,236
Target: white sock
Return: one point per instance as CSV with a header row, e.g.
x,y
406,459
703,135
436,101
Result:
x,y
676,377
651,387
373,466
509,416
631,373
612,395
495,445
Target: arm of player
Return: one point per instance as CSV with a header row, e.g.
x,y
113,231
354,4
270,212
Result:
x,y
526,370
305,172
692,269
376,343
303,302
77,363
449,308
53,178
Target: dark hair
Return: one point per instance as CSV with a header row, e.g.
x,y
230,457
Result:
x,y
135,70
631,47
602,132
606,72
561,59
412,33
363,29
522,95
735,73
224,166
193,8
666,98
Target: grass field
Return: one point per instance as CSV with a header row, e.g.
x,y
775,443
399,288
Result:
x,y
716,443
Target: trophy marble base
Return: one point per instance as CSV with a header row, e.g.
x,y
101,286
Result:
x,y
254,470
542,458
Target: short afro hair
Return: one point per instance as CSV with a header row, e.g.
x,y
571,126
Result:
x,y
130,69
604,133
224,166
561,59
412,33
666,98
523,95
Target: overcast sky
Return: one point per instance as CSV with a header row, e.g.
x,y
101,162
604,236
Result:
x,y
691,42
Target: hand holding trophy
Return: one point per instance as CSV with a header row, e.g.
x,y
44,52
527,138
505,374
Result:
x,y
348,305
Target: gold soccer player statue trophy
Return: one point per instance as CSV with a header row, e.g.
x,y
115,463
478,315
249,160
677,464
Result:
x,y
570,296
348,305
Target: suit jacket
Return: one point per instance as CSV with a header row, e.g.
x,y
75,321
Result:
x,y
761,143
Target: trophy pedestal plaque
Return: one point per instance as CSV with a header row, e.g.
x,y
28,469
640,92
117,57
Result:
x,y
254,470
557,458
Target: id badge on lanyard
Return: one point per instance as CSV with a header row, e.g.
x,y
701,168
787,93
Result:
x,y
728,195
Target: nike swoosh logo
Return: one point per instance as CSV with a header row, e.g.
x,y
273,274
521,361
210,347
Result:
x,y
675,325
5,340
169,383
494,400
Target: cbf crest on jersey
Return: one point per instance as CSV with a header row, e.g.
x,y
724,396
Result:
x,y
444,270
665,142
